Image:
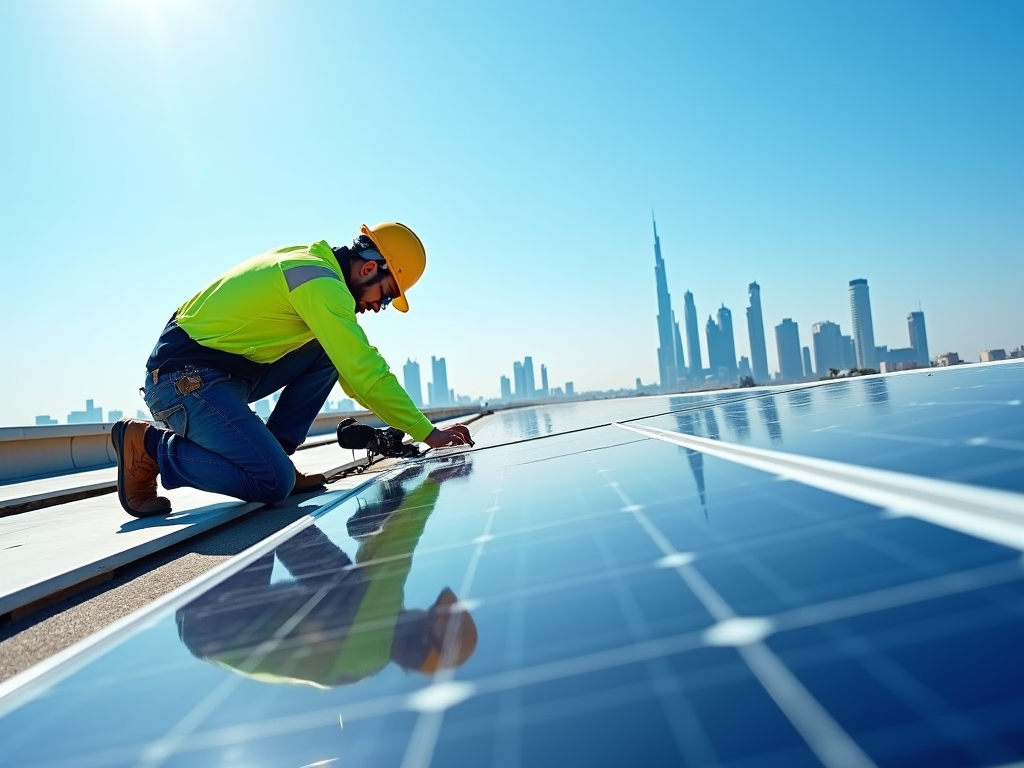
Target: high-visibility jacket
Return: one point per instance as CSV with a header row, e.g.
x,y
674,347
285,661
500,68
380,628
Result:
x,y
278,301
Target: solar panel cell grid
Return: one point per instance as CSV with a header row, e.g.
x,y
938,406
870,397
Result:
x,y
636,603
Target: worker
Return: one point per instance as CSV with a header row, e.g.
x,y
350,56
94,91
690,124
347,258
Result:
x,y
284,320
334,621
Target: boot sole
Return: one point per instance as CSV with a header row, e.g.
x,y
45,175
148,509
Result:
x,y
117,440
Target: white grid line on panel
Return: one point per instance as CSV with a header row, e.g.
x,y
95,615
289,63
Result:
x,y
915,695
420,751
157,752
691,740
829,742
997,516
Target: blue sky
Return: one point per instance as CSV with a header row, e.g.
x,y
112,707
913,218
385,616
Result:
x,y
148,145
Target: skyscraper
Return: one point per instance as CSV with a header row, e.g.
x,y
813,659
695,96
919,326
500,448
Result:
x,y
918,338
849,353
863,329
755,328
439,386
692,336
787,338
727,339
808,370
531,387
506,389
668,366
519,378
411,377
714,355
543,380
680,357
721,345
91,415
827,340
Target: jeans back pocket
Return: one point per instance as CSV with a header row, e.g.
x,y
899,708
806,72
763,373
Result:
x,y
174,418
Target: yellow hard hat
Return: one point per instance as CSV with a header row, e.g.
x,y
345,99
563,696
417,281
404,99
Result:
x,y
453,634
404,254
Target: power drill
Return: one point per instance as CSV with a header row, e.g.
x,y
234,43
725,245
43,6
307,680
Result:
x,y
383,442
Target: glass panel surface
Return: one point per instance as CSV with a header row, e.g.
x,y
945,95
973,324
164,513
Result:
x,y
594,598
964,425
541,420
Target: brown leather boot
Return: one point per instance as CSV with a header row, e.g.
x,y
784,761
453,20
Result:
x,y
136,470
306,483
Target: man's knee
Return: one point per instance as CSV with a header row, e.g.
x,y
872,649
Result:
x,y
273,482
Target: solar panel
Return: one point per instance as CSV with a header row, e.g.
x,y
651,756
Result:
x,y
752,579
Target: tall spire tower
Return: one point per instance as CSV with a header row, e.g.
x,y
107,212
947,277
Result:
x,y
670,362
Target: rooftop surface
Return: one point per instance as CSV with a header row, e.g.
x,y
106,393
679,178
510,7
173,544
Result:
x,y
819,575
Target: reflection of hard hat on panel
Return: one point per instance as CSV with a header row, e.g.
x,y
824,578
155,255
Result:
x,y
452,633
403,253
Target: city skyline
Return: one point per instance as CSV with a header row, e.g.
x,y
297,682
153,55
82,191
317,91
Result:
x,y
800,145
832,350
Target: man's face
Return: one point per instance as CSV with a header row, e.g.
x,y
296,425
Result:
x,y
373,288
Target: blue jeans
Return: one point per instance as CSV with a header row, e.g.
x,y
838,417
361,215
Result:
x,y
216,443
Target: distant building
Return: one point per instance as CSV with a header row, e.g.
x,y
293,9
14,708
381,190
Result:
x,y
896,357
45,421
140,414
849,353
744,367
439,391
569,389
829,348
991,355
863,329
91,415
262,408
918,338
787,338
506,389
727,339
886,367
413,384
946,359
345,405
721,345
755,329
693,336
114,415
680,357
808,370
543,380
711,335
670,363
519,378
531,386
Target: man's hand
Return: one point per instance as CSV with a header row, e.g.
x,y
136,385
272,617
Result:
x,y
455,435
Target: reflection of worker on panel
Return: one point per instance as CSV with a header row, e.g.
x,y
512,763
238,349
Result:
x,y
335,622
